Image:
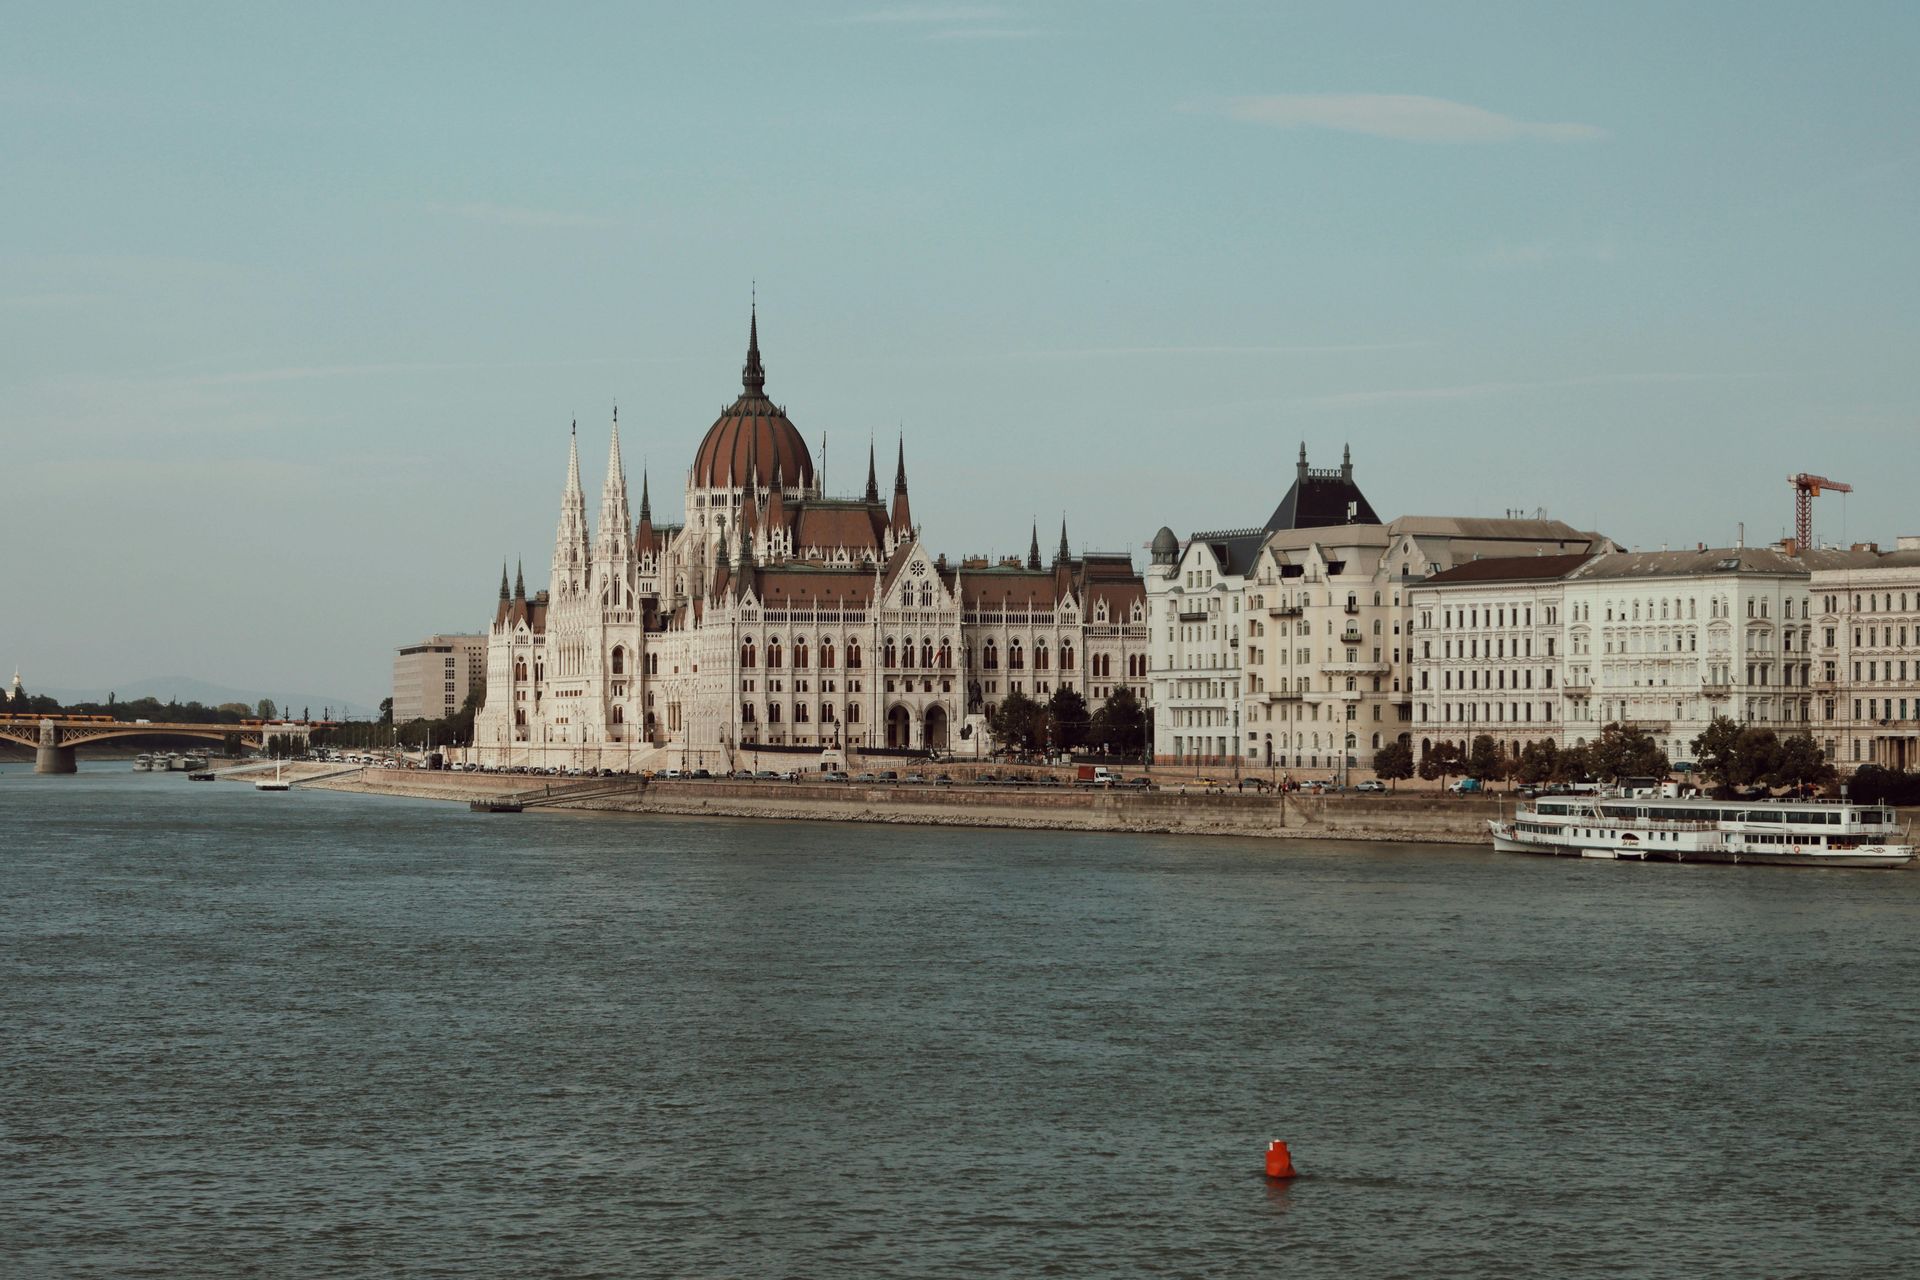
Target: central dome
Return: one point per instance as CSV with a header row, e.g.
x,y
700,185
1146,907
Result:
x,y
752,435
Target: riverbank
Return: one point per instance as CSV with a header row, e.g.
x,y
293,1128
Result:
x,y
1423,818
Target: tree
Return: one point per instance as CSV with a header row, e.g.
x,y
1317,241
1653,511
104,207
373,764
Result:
x,y
1393,762
1067,721
1440,761
1018,724
1484,760
1713,750
1120,725
386,711
1755,753
239,710
1800,763
266,710
1575,764
1628,752
1538,761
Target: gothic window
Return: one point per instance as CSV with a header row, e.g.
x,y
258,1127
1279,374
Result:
x,y
799,655
1040,656
619,714
853,655
800,713
853,713
773,714
1066,657
746,712
891,657
1016,660
906,652
826,655
746,652
946,653
619,660
990,657
773,653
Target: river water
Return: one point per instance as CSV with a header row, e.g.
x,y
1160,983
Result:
x,y
327,1035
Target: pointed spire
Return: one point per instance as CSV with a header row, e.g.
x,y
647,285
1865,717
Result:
x,y
1300,467
573,459
873,484
503,581
646,505
1346,463
900,469
1064,555
1033,548
753,377
520,580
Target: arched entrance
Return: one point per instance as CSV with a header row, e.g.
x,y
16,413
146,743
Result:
x,y
899,727
935,728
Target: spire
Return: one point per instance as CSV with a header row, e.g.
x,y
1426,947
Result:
x,y
1300,468
520,581
573,458
1064,554
615,520
873,485
1033,548
902,513
753,377
1346,463
646,506
503,581
570,539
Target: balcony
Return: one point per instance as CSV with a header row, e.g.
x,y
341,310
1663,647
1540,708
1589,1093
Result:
x,y
1350,609
1283,695
1194,615
1577,688
1285,611
1648,726
1350,636
1353,668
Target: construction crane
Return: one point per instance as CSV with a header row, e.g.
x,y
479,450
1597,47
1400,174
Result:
x,y
1805,489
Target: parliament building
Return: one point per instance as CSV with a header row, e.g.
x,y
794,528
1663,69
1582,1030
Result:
x,y
774,619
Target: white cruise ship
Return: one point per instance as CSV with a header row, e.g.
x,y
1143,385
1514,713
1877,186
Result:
x,y
1772,832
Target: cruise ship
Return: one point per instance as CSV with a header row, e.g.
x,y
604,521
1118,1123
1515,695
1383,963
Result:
x,y
1780,833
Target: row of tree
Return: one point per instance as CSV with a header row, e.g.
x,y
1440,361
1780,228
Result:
x,y
1025,726
20,702
1726,755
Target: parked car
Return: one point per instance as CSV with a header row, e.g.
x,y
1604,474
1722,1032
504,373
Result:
x,y
1373,785
865,777
833,775
942,780
703,774
888,775
1465,786
916,779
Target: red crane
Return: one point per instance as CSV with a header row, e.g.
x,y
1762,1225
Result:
x,y
1805,489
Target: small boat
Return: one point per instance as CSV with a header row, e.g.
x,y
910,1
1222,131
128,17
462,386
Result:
x,y
143,763
494,806
275,783
200,775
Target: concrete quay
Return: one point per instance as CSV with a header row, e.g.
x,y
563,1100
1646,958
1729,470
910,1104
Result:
x,y
1404,818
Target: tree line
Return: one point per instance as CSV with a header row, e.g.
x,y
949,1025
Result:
x,y
1025,726
21,702
1726,756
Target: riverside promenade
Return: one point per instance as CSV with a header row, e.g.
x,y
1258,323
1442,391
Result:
x,y
1424,818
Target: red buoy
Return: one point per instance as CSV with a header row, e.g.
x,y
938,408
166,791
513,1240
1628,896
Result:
x,y
1279,1161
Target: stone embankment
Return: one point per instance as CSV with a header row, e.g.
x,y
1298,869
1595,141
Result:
x,y
1423,818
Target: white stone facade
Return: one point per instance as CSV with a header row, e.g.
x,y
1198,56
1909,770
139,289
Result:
x,y
1867,657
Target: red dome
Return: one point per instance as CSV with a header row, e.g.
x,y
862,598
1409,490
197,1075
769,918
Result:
x,y
753,433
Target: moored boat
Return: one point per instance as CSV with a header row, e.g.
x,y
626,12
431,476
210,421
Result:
x,y
1781,833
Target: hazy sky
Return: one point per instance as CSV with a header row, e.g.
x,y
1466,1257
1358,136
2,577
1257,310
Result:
x,y
296,302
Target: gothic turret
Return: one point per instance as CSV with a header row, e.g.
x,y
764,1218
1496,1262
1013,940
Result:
x,y
1033,547
570,544
613,543
873,483
902,514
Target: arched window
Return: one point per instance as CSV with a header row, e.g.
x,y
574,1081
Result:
x,y
1066,657
746,712
619,660
853,713
891,655
619,714
906,652
800,713
990,657
773,713
773,653
853,655
799,655
1040,656
946,654
746,652
826,655
926,651
1016,661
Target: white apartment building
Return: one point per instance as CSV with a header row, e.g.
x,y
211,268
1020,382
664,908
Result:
x,y
431,679
1284,647
1663,641
1488,639
1866,679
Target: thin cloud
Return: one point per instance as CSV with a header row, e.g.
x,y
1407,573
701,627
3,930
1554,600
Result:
x,y
511,216
919,15
1485,390
1403,117
987,33
1325,348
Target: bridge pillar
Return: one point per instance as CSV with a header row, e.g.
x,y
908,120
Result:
x,y
53,758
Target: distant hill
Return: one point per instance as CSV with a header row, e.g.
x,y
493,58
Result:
x,y
188,689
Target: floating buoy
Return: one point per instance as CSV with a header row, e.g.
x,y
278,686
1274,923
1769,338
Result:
x,y
1279,1161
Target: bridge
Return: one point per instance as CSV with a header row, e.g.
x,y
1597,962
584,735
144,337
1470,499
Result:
x,y
55,737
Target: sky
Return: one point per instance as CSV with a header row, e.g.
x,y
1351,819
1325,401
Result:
x,y
297,302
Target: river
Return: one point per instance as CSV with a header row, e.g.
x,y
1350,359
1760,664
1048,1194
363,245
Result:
x,y
317,1034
